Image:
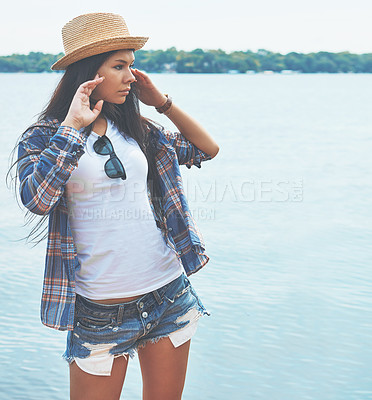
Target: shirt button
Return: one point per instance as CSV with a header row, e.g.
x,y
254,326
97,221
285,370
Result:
x,y
148,326
144,314
115,329
170,229
141,304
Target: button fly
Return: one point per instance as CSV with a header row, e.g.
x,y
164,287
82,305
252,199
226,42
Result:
x,y
144,314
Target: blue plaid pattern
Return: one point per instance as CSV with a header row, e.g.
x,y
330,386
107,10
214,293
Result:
x,y
49,153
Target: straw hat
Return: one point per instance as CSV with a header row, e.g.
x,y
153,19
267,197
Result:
x,y
95,33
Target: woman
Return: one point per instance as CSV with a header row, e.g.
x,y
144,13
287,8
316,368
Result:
x,y
121,239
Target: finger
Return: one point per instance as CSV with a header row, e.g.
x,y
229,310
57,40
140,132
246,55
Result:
x,y
97,108
134,74
87,87
139,72
142,76
93,82
139,79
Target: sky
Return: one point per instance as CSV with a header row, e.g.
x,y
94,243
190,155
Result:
x,y
280,26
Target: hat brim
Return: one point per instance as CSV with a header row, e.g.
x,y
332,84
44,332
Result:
x,y
103,46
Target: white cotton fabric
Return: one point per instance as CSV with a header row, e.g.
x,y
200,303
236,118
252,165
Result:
x,y
100,360
120,249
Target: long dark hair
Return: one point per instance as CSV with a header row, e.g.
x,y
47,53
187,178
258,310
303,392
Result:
x,y
126,117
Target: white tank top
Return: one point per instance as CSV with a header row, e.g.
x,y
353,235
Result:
x,y
120,249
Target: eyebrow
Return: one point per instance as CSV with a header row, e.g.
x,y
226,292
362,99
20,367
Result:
x,y
125,62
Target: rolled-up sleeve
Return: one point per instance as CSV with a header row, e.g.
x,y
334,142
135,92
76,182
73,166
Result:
x,y
45,164
187,153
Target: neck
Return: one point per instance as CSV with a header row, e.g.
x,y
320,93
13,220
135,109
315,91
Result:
x,y
100,126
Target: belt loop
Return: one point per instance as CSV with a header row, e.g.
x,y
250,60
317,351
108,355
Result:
x,y
157,297
120,314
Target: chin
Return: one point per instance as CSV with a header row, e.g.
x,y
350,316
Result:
x,y
119,101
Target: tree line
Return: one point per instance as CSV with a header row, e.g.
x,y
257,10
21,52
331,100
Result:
x,y
213,61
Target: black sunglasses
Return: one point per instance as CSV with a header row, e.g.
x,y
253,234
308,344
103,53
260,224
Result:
x,y
113,166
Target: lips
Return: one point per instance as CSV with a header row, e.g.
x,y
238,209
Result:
x,y
125,91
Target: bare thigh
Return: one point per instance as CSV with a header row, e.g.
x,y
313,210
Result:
x,y
84,386
163,369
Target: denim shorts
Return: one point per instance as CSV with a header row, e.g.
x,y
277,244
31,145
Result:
x,y
102,332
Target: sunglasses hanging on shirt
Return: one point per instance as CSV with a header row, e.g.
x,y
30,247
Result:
x,y
113,166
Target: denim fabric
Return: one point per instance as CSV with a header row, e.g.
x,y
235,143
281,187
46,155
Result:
x,y
105,331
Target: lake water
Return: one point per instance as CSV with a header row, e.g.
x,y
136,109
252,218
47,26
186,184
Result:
x,y
285,210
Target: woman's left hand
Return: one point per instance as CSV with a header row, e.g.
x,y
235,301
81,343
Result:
x,y
148,93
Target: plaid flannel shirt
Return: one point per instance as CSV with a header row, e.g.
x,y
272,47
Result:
x,y
49,153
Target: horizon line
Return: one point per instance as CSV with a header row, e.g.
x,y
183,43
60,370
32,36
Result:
x,y
209,49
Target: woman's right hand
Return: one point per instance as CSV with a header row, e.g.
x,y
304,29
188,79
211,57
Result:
x,y
79,114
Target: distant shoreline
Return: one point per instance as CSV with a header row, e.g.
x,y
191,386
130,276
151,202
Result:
x,y
214,61
266,73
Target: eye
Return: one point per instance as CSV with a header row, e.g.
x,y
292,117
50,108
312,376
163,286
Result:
x,y
131,65
119,67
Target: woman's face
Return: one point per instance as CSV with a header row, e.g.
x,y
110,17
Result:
x,y
118,78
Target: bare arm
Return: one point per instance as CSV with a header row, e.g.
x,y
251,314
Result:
x,y
189,128
192,130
